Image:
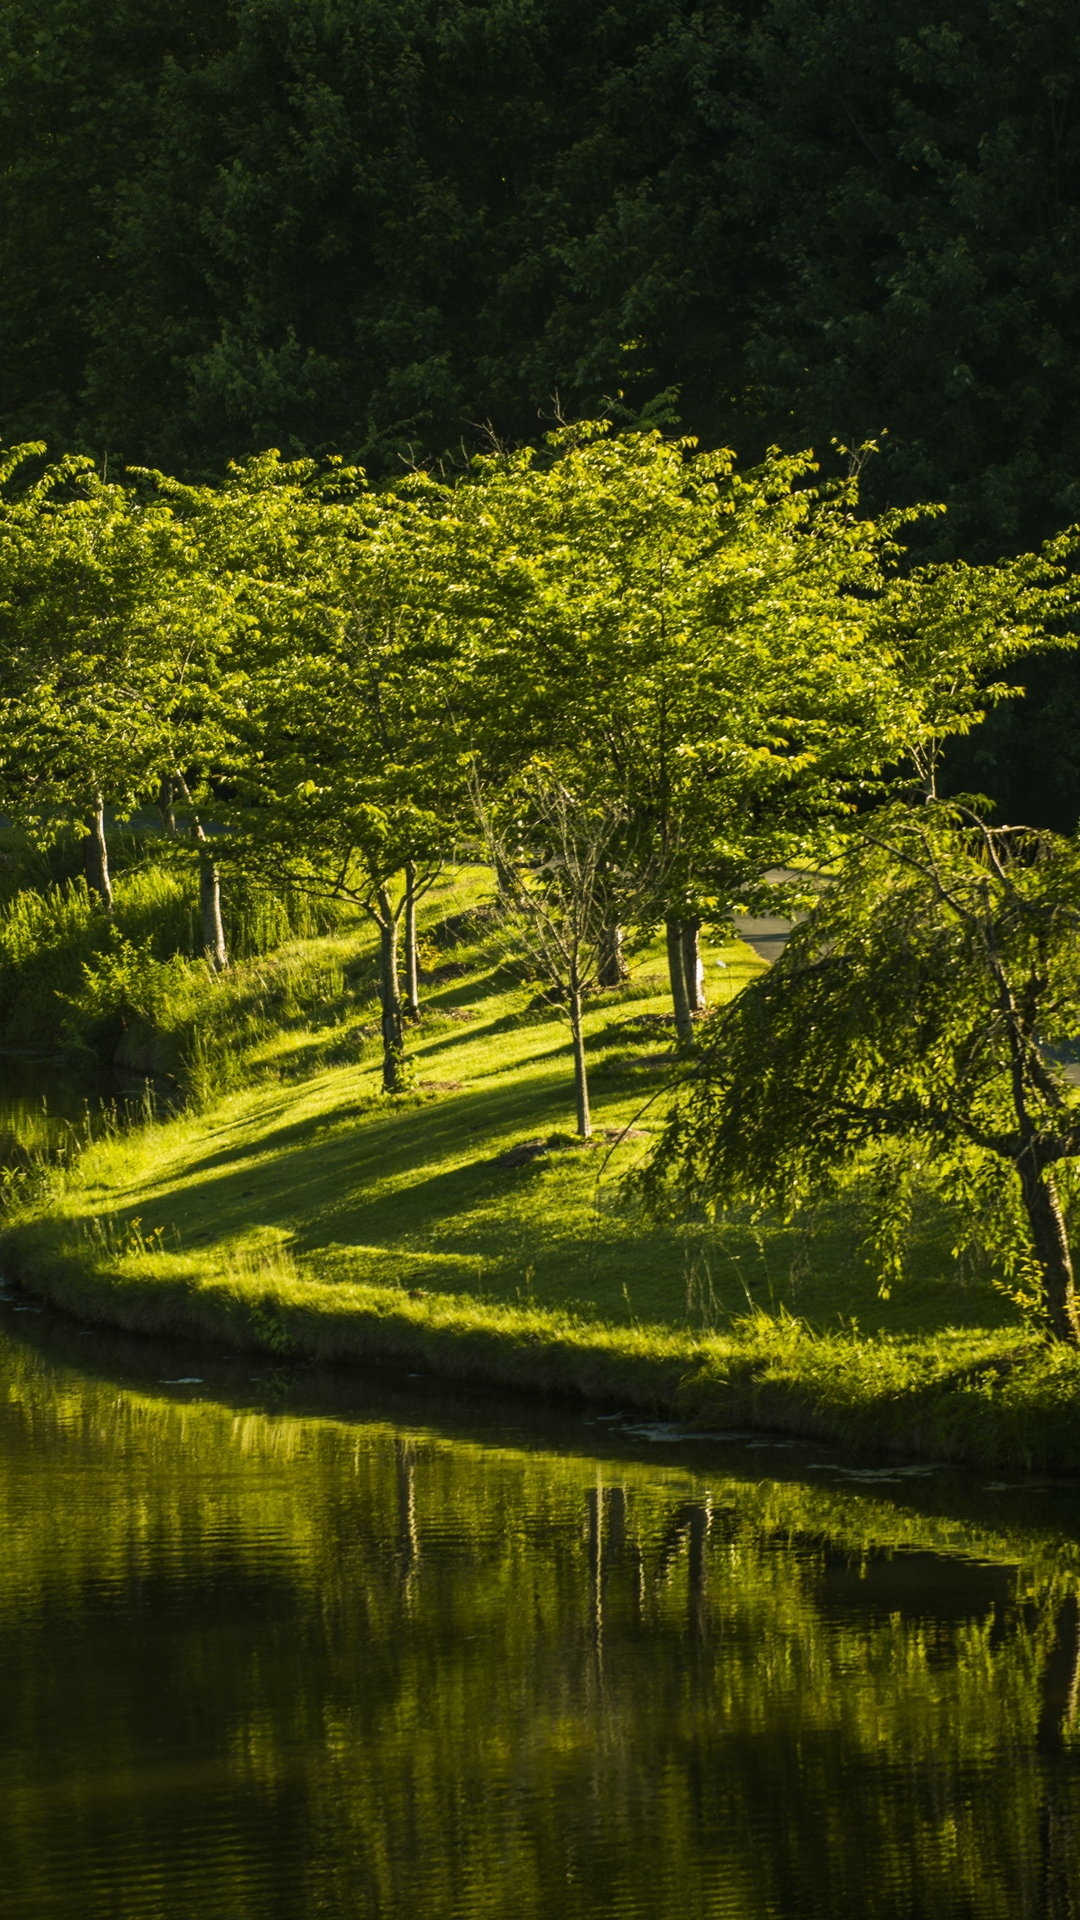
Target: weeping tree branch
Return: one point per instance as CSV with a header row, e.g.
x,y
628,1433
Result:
x,y
915,1004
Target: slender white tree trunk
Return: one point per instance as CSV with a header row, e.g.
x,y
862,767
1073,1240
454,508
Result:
x,y
692,966
412,965
613,969
684,1025
581,1077
97,857
393,1030
213,927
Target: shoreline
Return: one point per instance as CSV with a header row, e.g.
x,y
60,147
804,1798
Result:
x,y
965,1398
299,1214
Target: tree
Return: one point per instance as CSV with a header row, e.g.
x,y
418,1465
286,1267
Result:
x,y
910,1028
249,546
703,645
348,777
557,854
113,631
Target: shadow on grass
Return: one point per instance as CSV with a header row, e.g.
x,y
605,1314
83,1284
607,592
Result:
x,y
398,1176
417,1180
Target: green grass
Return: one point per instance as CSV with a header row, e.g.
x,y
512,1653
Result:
x,y
132,987
306,1213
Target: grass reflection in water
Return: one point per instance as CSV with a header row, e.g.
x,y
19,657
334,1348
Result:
x,y
259,1665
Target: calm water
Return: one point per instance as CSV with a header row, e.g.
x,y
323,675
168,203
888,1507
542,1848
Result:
x,y
261,1657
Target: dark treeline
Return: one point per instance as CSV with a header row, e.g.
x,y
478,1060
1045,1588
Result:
x,y
377,226
369,226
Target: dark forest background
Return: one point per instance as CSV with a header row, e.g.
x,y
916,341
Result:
x,y
387,227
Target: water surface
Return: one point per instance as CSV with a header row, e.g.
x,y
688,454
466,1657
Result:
x,y
388,1658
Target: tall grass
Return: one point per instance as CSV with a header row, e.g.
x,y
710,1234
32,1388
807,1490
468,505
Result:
x,y
258,920
132,989
33,864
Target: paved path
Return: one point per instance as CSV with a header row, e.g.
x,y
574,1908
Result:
x,y
768,933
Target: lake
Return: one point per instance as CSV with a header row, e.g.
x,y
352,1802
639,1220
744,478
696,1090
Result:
x,y
272,1646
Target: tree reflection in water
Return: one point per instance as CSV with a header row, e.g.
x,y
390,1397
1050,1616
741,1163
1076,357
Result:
x,y
261,1665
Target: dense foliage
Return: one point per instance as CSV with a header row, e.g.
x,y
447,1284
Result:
x,y
915,1024
369,225
322,683
373,226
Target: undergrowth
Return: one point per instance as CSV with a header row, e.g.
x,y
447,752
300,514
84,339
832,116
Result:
x,y
131,988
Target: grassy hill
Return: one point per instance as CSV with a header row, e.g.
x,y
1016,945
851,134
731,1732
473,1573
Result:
x,y
461,1227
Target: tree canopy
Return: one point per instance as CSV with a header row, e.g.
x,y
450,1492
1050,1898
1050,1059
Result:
x,y
317,678
913,1027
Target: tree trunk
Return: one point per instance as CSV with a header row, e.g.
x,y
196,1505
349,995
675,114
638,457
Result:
x,y
166,808
684,1025
213,927
613,969
581,1078
1051,1242
412,970
692,967
97,857
1060,1690
393,1031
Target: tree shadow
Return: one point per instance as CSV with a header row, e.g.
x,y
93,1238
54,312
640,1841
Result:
x,y
326,1180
